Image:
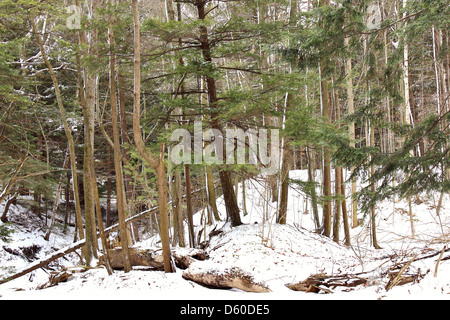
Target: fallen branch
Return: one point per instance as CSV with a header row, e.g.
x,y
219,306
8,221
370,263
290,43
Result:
x,y
398,279
42,263
438,262
321,282
56,277
78,245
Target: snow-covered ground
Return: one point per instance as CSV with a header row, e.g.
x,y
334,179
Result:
x,y
274,255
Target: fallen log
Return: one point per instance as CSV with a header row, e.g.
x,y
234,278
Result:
x,y
43,262
56,277
398,279
152,258
227,279
78,245
138,258
322,282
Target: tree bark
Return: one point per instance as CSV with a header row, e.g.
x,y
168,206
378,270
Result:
x,y
284,194
326,164
67,130
177,209
187,174
4,193
372,188
337,215
157,163
351,110
56,204
88,164
225,176
120,192
285,168
101,229
211,191
88,104
344,210
312,185
4,217
407,112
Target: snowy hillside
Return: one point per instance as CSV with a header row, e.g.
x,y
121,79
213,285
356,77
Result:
x,y
273,255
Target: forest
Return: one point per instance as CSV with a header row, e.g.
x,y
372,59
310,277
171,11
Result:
x,y
165,134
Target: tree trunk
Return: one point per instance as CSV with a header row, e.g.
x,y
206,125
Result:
x,y
372,188
285,168
89,106
4,193
244,200
162,190
88,173
177,209
56,204
284,194
101,229
344,211
337,215
175,177
225,176
124,133
312,186
120,193
340,188
351,110
127,178
88,167
187,174
407,111
211,192
326,165
4,217
157,163
108,201
67,131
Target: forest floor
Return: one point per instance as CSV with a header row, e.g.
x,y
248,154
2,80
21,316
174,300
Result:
x,y
273,255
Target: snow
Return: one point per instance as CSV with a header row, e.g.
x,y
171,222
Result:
x,y
274,255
